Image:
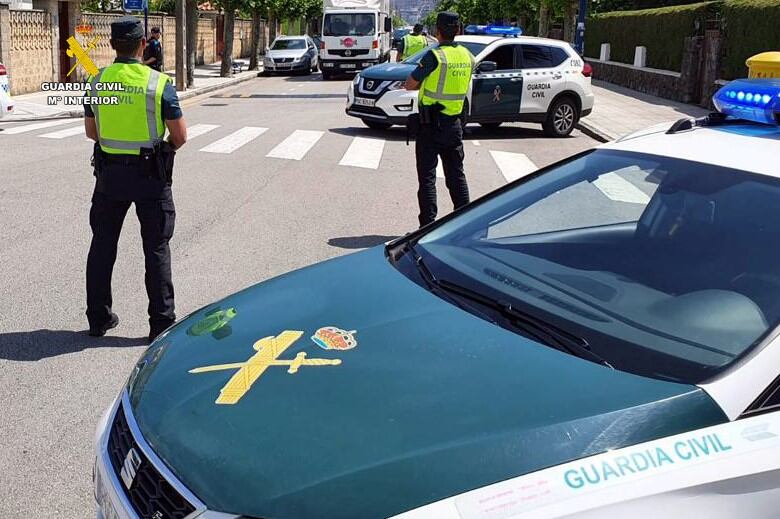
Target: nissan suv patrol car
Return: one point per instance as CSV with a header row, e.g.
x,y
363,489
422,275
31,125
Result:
x,y
517,78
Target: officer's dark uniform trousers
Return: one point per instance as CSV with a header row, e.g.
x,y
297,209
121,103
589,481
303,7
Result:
x,y
442,138
121,184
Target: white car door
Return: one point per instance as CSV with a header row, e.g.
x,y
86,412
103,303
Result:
x,y
543,76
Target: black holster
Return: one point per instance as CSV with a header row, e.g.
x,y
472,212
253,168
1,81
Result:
x,y
96,161
165,154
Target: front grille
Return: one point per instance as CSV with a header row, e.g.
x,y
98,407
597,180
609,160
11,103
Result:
x,y
347,53
151,495
283,60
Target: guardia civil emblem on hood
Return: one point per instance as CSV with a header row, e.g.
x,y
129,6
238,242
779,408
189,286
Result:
x,y
332,338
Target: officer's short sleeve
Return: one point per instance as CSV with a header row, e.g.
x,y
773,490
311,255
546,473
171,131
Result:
x,y
170,103
427,65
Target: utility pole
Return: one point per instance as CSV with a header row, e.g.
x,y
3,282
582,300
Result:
x,y
181,45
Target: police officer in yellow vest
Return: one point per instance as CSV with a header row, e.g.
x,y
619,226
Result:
x,y
443,77
412,43
133,165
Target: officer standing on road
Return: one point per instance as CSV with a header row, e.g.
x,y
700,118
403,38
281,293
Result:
x,y
153,54
411,44
133,164
443,77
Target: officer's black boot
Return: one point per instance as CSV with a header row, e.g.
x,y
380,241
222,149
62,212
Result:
x,y
100,330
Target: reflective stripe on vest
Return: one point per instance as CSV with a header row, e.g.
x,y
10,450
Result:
x,y
136,122
413,43
451,79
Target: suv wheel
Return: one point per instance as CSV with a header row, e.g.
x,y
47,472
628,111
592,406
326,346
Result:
x,y
561,118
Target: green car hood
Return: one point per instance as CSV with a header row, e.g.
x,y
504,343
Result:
x,y
431,402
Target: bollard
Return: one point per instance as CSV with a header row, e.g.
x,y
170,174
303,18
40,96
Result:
x,y
605,51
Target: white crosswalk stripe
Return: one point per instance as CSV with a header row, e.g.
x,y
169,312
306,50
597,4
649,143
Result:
x,y
513,165
13,130
296,145
67,132
439,169
619,189
235,140
363,153
197,130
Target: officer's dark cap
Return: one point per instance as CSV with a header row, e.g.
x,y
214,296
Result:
x,y
417,28
127,28
446,20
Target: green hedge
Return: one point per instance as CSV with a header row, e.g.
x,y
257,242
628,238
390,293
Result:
x,y
661,30
751,26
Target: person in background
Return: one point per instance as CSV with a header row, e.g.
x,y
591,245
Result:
x,y
412,43
153,54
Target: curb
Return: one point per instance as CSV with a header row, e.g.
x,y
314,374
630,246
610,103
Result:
x,y
595,132
227,84
184,95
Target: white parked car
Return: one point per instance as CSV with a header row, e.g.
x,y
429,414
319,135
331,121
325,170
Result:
x,y
516,79
6,102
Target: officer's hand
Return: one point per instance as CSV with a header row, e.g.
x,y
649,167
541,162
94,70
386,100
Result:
x,y
178,132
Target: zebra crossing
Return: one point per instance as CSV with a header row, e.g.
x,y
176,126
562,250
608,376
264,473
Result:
x,y
362,152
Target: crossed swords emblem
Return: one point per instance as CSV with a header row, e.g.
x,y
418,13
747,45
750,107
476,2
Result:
x,y
268,351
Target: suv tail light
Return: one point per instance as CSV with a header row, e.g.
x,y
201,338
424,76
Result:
x,y
587,70
322,45
3,72
375,45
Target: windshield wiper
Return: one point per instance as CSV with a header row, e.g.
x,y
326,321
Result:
x,y
536,328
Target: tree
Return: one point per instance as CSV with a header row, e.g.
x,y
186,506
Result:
x,y
191,9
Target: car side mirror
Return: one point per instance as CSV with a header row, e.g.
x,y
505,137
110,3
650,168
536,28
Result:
x,y
487,66
388,24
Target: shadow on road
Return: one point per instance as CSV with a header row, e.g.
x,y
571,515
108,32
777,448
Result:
x,y
473,132
359,242
396,133
40,344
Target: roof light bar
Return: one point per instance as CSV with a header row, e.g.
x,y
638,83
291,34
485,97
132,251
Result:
x,y
755,100
493,30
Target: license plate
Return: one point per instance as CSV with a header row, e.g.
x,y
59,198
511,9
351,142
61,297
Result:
x,y
362,101
283,65
348,65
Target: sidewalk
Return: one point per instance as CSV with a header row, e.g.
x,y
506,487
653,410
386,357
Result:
x,y
34,107
619,111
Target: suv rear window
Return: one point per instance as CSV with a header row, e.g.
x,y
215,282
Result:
x,y
558,56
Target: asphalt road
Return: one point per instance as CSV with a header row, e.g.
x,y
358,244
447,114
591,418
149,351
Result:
x,y
242,217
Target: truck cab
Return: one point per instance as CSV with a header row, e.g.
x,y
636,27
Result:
x,y
356,34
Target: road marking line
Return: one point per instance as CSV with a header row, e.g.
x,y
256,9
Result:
x,y
619,189
296,145
363,153
513,165
13,130
67,132
235,140
477,143
439,169
199,129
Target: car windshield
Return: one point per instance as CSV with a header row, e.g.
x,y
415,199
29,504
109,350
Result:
x,y
474,48
288,44
400,33
666,268
347,24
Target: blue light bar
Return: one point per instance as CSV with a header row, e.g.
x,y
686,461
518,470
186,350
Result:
x,y
493,30
756,100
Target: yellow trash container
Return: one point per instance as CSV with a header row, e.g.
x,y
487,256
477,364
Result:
x,y
766,64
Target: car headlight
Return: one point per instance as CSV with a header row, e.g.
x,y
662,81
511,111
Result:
x,y
268,61
397,85
357,79
298,59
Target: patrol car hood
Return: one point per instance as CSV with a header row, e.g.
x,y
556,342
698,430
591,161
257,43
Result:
x,y
388,71
428,401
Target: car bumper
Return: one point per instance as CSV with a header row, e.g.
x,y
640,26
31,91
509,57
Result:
x,y
344,66
393,106
6,104
287,67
